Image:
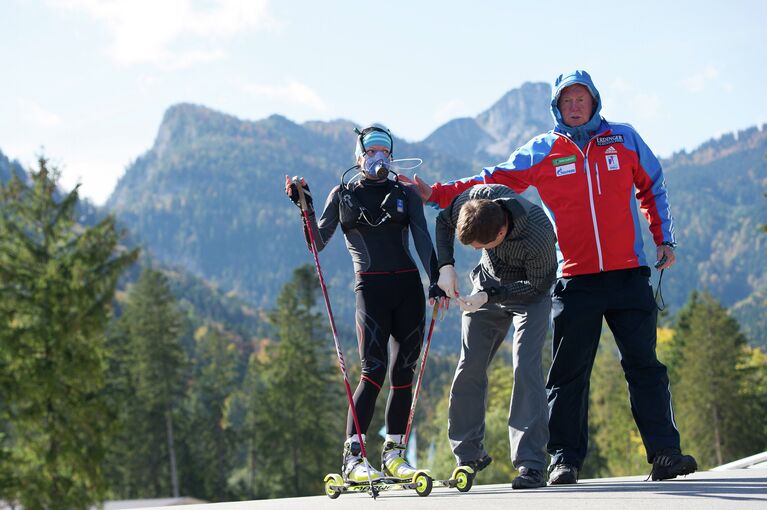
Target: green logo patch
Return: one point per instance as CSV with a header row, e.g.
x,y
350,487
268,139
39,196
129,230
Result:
x,y
564,161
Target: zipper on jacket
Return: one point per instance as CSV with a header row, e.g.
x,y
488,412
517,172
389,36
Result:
x,y
593,210
596,171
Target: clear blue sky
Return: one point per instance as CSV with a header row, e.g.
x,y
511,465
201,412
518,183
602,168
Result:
x,y
89,80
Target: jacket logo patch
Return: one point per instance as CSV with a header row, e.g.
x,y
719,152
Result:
x,y
612,162
400,205
611,150
565,169
609,140
562,161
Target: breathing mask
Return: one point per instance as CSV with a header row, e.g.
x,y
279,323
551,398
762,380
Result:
x,y
376,166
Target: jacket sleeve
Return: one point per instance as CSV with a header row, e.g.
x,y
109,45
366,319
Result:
x,y
517,172
651,193
445,233
447,220
421,237
323,230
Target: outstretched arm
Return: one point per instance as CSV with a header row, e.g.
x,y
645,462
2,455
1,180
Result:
x,y
517,173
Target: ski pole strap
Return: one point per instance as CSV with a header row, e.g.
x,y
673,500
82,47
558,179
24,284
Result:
x,y
659,292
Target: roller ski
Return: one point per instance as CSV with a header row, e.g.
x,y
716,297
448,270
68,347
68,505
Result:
x,y
463,475
359,476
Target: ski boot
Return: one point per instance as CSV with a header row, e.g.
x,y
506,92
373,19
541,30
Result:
x,y
354,469
393,462
397,470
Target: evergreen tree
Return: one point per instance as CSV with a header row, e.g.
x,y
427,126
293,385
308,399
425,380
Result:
x,y
57,282
298,411
242,416
754,386
156,366
211,440
713,408
124,466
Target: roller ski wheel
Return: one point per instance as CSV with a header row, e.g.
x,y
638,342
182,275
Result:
x,y
463,477
423,483
334,485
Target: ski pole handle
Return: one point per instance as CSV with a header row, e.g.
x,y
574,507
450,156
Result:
x,y
301,197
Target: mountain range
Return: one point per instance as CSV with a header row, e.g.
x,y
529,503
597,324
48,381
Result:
x,y
208,198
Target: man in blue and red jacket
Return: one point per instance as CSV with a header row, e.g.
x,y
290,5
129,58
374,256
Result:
x,y
589,173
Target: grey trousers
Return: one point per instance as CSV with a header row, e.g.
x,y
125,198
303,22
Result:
x,y
482,333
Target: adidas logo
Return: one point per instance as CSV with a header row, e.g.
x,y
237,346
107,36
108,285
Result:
x,y
611,150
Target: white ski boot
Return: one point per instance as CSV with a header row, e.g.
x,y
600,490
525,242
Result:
x,y
354,469
393,462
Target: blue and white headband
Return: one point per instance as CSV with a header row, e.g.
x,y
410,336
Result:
x,y
378,136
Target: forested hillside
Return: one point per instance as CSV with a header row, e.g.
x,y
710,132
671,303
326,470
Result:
x,y
208,197
718,202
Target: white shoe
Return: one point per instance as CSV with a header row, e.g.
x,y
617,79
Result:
x,y
393,462
354,469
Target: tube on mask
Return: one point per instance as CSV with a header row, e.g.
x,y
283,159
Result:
x,y
377,165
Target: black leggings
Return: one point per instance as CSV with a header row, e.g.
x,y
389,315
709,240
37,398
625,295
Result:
x,y
387,304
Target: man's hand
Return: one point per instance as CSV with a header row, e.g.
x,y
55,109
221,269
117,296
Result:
x,y
448,281
420,185
665,257
472,303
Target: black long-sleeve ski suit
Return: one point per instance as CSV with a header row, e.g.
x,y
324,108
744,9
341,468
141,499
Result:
x,y
376,217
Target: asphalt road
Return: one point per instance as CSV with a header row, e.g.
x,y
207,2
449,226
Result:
x,y
739,488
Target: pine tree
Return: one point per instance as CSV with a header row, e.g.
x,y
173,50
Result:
x,y
211,441
754,387
157,364
124,466
57,282
712,406
297,411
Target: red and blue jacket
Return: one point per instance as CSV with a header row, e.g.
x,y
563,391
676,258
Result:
x,y
589,192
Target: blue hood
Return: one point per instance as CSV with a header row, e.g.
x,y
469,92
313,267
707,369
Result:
x,y
583,133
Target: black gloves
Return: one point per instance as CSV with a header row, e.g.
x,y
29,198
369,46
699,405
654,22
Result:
x,y
435,292
292,191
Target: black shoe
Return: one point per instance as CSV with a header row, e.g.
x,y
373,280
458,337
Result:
x,y
528,479
479,464
670,463
563,474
